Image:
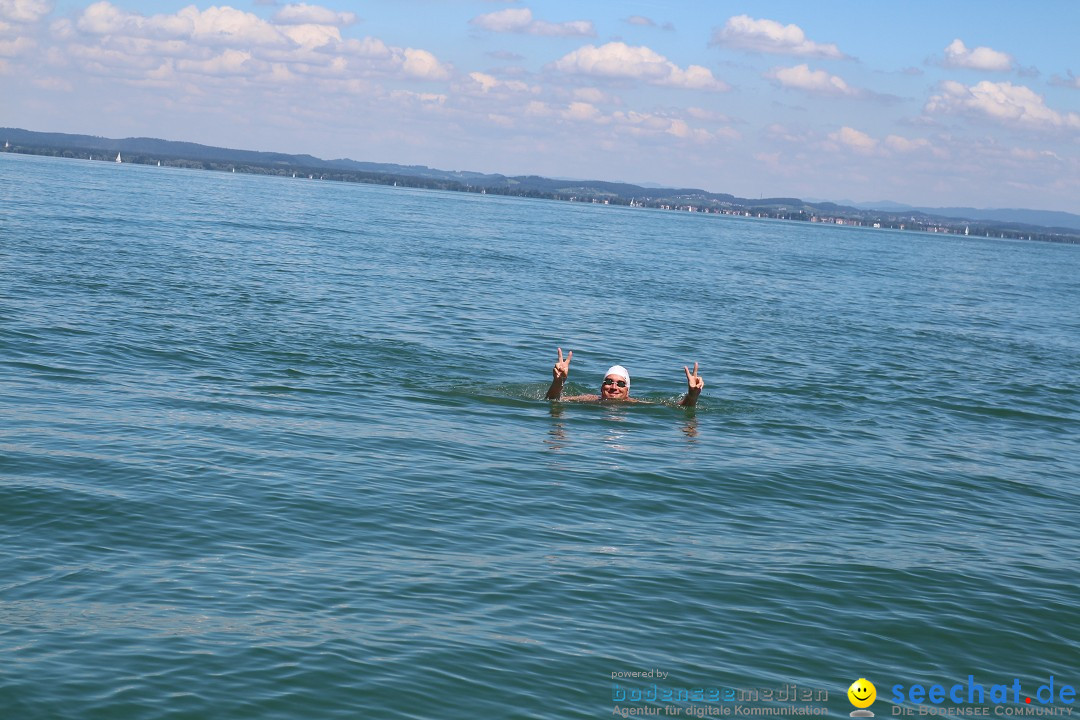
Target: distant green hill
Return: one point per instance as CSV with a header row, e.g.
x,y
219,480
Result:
x,y
1027,224
156,148
1044,218
152,146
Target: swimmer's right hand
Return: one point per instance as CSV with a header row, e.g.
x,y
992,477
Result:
x,y
562,367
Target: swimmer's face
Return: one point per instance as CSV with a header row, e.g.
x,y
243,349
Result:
x,y
610,390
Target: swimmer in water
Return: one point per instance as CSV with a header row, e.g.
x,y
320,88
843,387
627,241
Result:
x,y
615,386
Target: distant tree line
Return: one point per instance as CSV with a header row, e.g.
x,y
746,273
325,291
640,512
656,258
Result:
x,y
598,192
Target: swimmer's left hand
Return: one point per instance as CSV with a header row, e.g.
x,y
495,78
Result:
x,y
694,385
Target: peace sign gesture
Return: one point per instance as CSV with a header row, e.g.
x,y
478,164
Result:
x,y
559,374
562,367
694,385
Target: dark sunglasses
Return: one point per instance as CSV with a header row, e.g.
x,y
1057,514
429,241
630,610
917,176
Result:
x,y
616,383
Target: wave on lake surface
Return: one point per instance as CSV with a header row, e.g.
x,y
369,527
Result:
x,y
278,448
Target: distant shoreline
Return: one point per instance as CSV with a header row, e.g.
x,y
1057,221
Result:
x,y
148,151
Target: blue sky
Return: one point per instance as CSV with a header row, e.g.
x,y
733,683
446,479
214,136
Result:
x,y
927,103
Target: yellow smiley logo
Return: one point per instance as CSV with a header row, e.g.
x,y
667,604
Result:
x,y
862,693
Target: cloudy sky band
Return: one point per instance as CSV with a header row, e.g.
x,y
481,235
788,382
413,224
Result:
x,y
739,102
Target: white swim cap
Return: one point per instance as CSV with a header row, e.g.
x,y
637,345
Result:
x,y
618,370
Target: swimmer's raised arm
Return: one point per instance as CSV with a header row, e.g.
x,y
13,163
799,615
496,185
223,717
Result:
x,y
694,385
559,373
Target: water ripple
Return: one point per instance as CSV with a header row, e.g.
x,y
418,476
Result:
x,y
278,449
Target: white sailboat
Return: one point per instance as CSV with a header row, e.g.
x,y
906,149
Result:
x,y
118,158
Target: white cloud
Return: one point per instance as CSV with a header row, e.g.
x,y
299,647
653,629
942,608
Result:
x,y
1029,154
424,99
489,83
801,77
658,125
509,20
312,36
15,48
225,25
768,36
101,59
520,20
304,14
506,55
694,77
906,145
981,58
422,64
707,115
103,18
619,60
614,127
596,96
215,25
486,82
304,40
647,121
1069,81
679,129
537,108
62,30
229,62
854,139
24,11
54,84
865,144
780,133
582,112
368,47
770,159
641,21
1003,102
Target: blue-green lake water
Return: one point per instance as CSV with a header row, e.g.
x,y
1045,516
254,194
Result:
x,y
278,448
